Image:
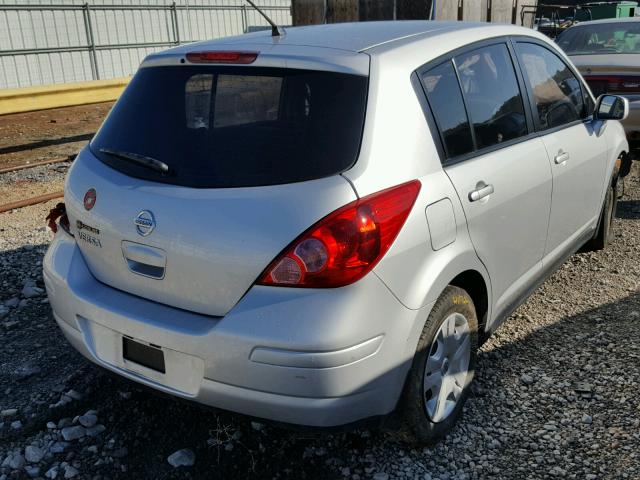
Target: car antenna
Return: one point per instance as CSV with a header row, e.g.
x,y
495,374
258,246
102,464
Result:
x,y
276,31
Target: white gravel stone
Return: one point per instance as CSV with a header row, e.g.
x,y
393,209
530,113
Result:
x,y
73,433
65,422
9,412
182,458
526,379
32,470
95,430
70,471
33,454
74,395
59,447
257,426
52,473
88,420
31,291
14,461
12,302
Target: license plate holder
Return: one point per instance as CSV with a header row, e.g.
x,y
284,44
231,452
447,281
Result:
x,y
146,355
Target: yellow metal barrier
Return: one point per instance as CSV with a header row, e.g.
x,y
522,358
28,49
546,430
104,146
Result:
x,y
17,100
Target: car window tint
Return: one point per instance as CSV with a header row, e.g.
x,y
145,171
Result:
x,y
242,99
239,100
492,94
223,126
445,99
197,101
556,90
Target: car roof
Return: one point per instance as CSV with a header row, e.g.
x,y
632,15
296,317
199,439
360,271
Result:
x,y
608,20
353,37
348,47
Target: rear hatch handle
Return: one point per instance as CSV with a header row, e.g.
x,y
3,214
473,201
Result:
x,y
145,260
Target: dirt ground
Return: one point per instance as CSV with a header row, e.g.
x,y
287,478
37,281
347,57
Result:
x,y
36,136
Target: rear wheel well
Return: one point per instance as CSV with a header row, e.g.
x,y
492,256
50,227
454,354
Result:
x,y
473,283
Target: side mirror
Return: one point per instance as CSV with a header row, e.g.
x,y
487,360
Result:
x,y
611,107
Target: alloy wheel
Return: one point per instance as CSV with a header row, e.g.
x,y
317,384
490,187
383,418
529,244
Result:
x,y
447,366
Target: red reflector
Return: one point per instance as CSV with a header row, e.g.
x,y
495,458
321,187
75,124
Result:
x,y
89,199
345,245
222,57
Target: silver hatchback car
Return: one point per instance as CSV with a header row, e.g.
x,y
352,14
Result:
x,y
320,227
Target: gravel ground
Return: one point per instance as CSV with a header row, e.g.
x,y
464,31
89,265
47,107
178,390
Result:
x,y
556,391
31,182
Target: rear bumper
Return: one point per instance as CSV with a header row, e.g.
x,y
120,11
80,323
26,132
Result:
x,y
308,357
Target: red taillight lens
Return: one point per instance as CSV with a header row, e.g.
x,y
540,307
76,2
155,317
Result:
x,y
345,245
613,83
222,57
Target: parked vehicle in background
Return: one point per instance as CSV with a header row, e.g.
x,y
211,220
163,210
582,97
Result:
x,y
553,18
607,54
322,226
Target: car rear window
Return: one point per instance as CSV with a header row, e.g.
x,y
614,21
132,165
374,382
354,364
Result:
x,y
602,39
220,126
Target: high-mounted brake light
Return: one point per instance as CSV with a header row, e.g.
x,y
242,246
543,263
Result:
x,y
243,58
345,245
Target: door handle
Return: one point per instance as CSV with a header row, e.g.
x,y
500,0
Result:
x,y
144,260
481,192
561,157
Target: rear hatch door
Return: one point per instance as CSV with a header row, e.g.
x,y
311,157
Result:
x,y
250,158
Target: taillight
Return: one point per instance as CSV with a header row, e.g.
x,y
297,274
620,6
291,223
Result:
x,y
613,83
345,245
222,57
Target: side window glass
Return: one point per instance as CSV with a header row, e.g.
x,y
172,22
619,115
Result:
x,y
445,99
556,91
493,97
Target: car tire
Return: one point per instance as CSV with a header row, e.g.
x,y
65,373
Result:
x,y
422,420
604,233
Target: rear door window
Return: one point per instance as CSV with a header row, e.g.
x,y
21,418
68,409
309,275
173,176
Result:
x,y
556,91
492,95
445,99
222,126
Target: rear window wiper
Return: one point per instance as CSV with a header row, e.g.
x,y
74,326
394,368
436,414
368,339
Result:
x,y
138,159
